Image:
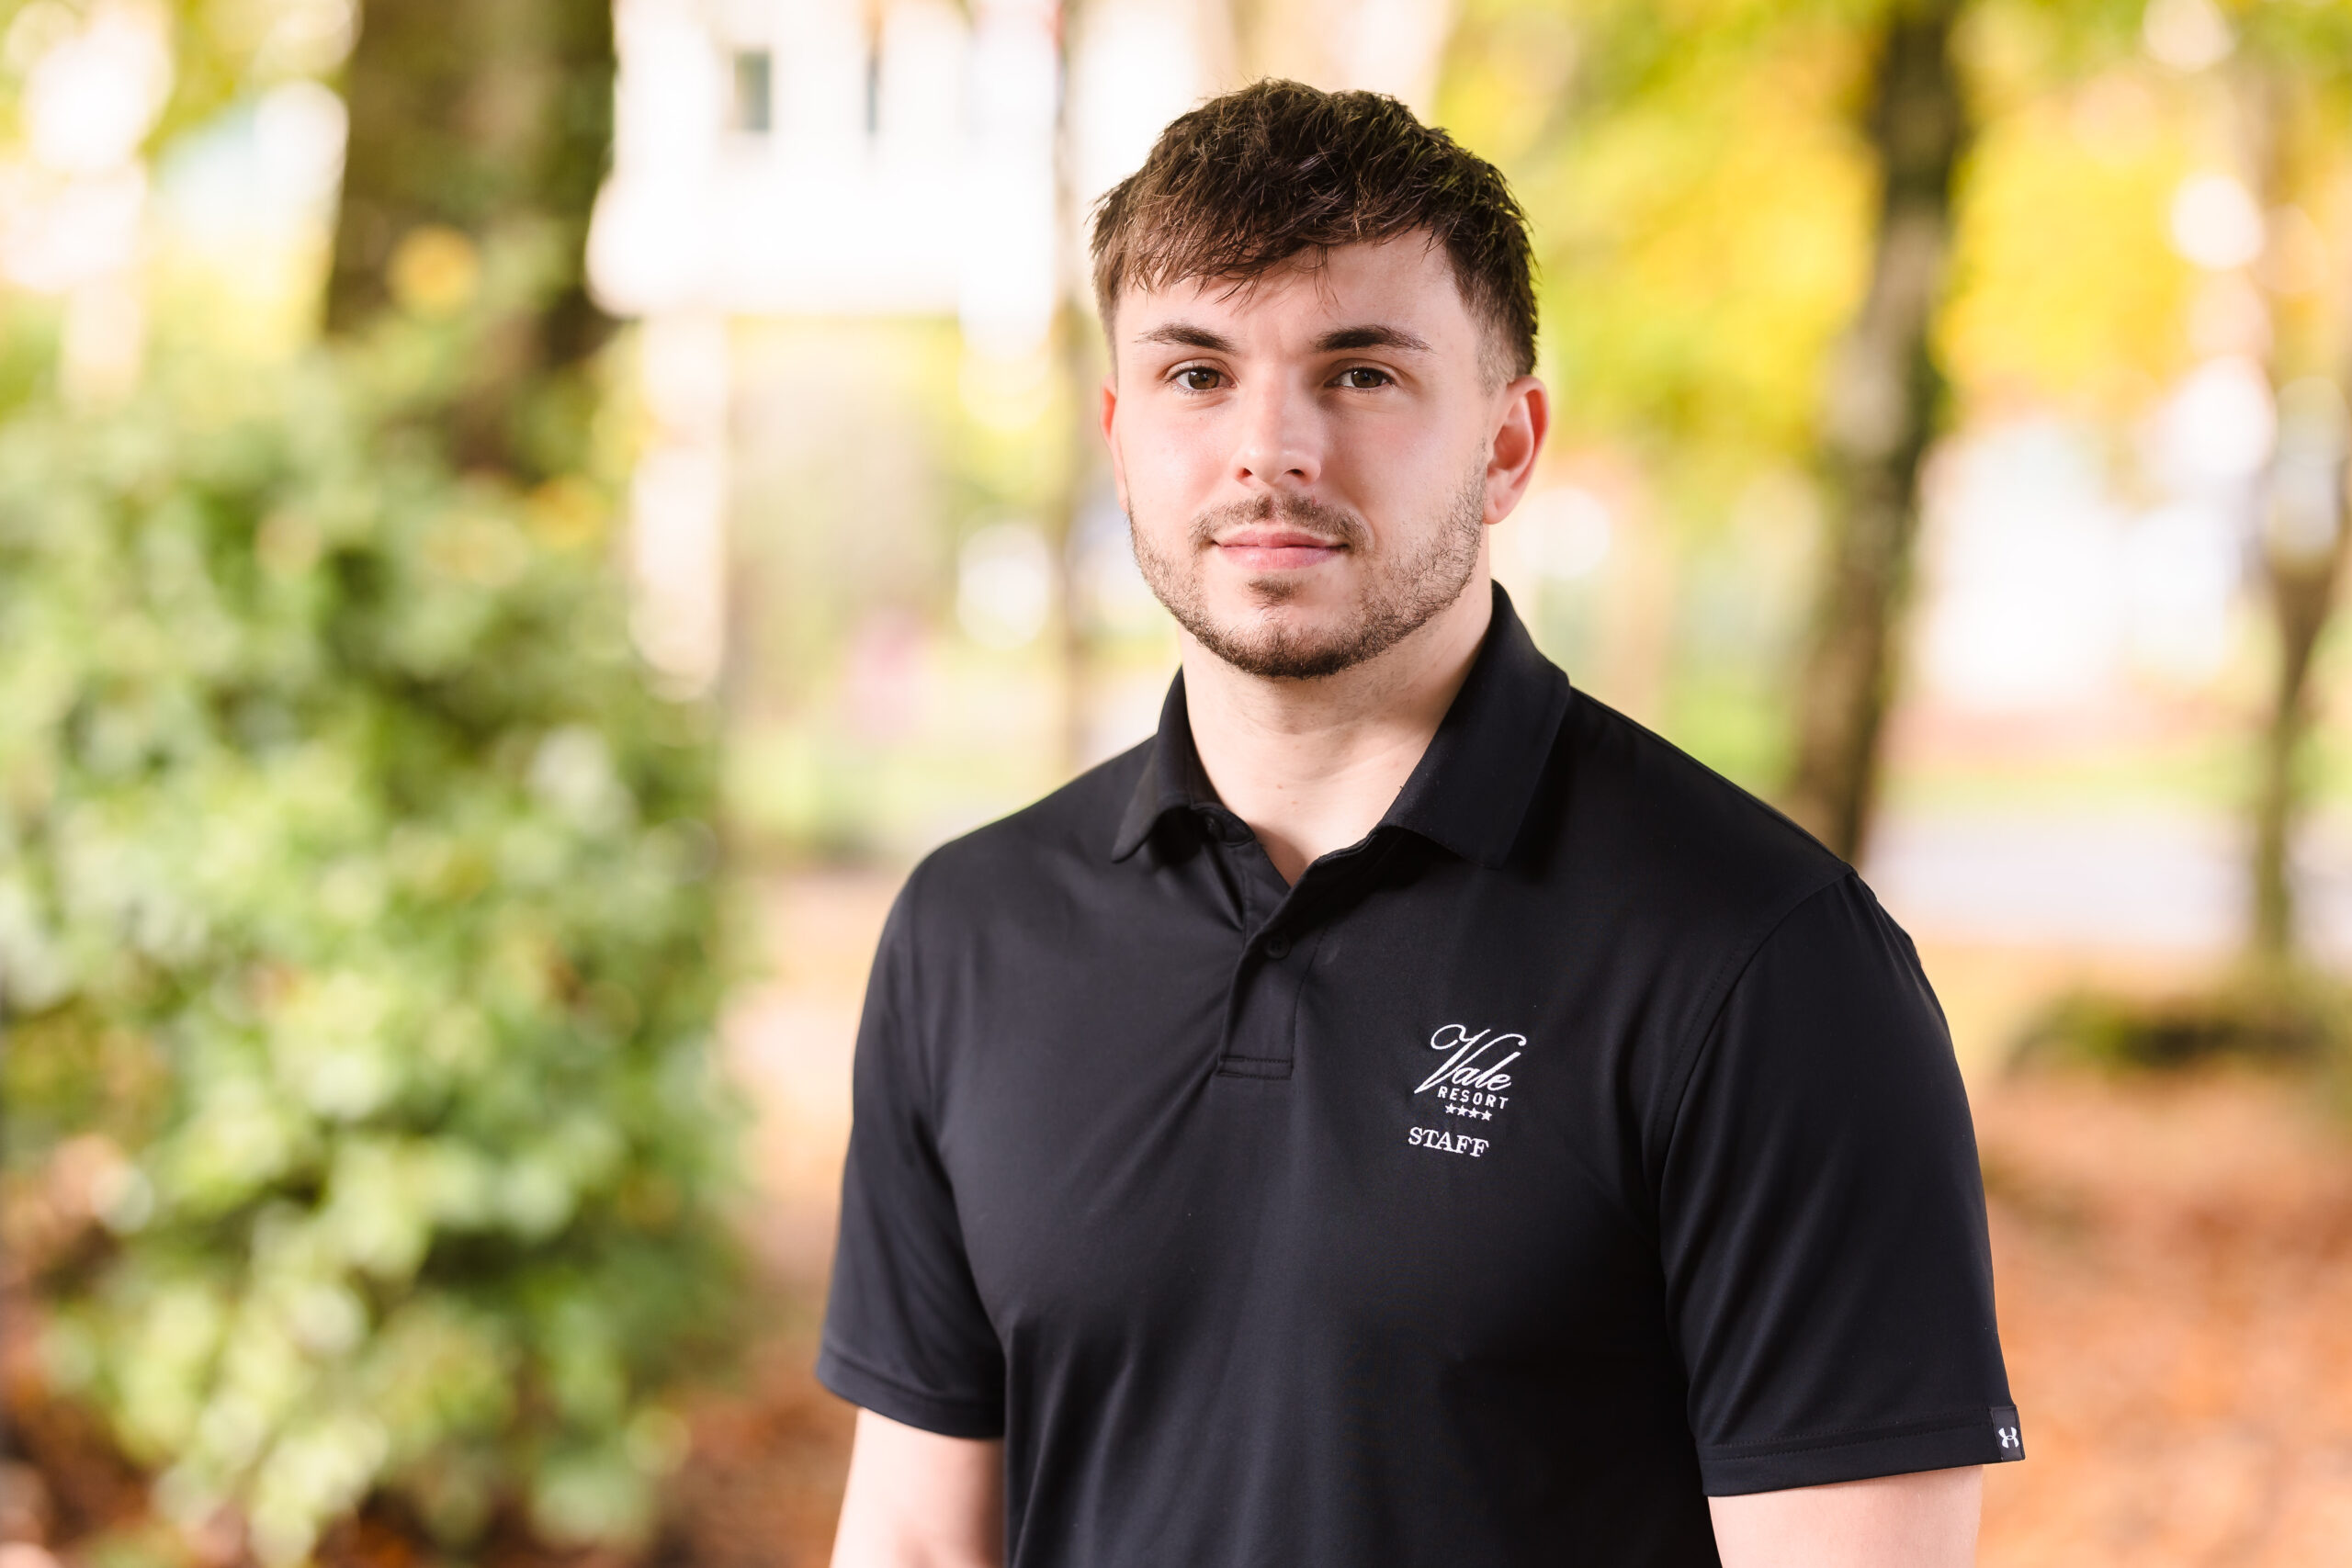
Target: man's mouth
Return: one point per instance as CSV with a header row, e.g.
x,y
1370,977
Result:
x,y
1275,546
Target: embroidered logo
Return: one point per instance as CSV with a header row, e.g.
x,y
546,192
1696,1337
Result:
x,y
1470,1086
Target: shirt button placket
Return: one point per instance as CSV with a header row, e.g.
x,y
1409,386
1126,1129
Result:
x,y
1264,1012
1262,1008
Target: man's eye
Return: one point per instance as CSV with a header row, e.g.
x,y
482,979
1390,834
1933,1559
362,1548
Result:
x,y
1197,378
1363,379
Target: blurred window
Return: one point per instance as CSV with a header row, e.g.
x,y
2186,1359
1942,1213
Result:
x,y
755,93
873,84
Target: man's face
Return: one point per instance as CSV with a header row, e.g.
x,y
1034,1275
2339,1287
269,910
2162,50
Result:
x,y
1308,459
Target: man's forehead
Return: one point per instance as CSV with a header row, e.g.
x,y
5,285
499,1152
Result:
x,y
1405,282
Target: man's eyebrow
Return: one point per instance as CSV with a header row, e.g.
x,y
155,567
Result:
x,y
1369,337
1183,334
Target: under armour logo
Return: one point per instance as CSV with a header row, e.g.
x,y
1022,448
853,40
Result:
x,y
2008,1436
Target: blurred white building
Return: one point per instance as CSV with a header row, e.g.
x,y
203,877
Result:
x,y
893,157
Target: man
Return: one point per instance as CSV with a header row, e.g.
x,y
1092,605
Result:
x,y
1404,1113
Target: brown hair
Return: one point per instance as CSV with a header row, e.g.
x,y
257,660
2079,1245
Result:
x,y
1276,170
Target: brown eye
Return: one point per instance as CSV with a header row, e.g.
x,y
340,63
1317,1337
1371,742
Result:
x,y
1363,379
1197,378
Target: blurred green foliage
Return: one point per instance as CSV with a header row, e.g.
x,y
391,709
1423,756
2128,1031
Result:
x,y
1702,204
1701,195
2260,1014
357,918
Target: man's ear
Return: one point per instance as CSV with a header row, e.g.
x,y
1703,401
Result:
x,y
1518,441
1109,411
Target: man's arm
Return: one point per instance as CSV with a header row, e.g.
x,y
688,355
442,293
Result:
x,y
1927,1520
918,1500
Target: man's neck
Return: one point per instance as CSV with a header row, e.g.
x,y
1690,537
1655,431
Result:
x,y
1313,766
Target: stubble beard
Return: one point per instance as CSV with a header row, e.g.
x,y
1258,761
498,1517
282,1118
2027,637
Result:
x,y
1398,596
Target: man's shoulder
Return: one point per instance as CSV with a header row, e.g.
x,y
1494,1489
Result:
x,y
1686,842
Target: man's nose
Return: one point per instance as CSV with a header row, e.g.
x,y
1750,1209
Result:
x,y
1281,440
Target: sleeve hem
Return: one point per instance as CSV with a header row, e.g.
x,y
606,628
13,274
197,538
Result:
x,y
948,1417
1991,1437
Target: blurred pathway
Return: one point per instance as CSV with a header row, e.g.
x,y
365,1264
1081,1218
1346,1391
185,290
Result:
x,y
790,1035
2136,880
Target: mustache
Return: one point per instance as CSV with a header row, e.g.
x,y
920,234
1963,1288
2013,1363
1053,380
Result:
x,y
1336,523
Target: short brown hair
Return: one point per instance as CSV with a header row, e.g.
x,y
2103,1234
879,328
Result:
x,y
1250,181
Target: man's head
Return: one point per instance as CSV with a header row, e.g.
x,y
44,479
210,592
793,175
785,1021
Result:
x,y
1280,173
1322,322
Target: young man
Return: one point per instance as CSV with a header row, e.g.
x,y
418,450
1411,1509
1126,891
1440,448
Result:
x,y
1404,1113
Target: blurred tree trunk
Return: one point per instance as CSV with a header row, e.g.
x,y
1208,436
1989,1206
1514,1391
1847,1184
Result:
x,y
2302,557
1881,403
2301,530
493,119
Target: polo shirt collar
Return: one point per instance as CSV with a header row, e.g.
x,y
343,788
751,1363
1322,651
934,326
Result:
x,y
1470,791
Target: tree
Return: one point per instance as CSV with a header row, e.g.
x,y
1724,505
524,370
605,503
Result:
x,y
2288,90
479,135
1883,398
1704,219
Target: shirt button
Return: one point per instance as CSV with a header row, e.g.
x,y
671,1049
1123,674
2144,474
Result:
x,y
1278,947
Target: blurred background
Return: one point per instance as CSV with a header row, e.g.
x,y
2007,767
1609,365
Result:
x,y
519,520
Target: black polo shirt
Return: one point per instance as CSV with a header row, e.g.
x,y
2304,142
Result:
x,y
1583,1142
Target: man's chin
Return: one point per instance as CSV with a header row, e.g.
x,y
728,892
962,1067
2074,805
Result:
x,y
1291,603
1276,644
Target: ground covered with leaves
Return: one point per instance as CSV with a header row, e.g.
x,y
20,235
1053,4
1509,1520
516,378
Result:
x,y
2174,1256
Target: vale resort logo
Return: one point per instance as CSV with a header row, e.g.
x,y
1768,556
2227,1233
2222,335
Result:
x,y
1472,1085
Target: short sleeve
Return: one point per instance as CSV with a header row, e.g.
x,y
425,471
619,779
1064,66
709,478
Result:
x,y
906,1335
1822,1220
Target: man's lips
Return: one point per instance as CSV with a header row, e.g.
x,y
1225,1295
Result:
x,y
1272,547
